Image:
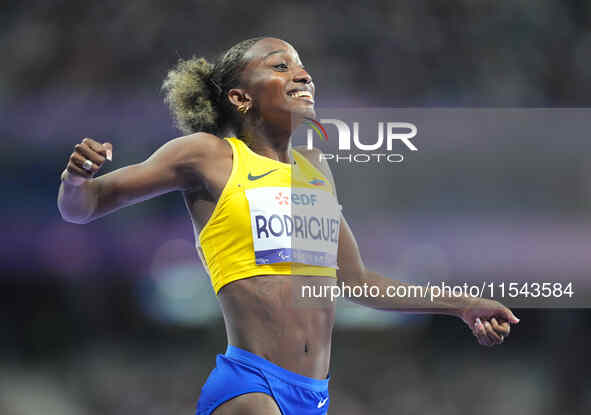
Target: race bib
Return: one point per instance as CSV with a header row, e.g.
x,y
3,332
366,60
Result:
x,y
294,225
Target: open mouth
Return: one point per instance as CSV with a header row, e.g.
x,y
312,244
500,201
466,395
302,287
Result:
x,y
303,95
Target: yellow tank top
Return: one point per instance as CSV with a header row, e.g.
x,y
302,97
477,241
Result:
x,y
271,219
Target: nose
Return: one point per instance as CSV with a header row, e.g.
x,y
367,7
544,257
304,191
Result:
x,y
302,76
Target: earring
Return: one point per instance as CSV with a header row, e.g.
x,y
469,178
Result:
x,y
243,109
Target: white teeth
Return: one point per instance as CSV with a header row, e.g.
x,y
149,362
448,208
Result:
x,y
300,94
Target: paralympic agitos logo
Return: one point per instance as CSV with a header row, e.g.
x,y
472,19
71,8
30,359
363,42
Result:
x,y
388,133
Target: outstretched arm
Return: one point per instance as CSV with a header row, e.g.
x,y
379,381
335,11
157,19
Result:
x,y
489,320
174,166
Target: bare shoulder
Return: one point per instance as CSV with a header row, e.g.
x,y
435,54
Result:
x,y
187,158
196,151
199,145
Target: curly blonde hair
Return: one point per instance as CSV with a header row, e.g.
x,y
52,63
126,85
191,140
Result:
x,y
195,90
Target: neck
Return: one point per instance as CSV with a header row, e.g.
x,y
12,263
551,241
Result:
x,y
268,141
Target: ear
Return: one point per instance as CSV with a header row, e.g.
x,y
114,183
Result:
x,y
238,97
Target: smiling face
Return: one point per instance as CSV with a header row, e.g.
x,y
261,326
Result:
x,y
275,83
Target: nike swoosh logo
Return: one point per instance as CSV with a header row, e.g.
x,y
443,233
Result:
x,y
252,178
322,402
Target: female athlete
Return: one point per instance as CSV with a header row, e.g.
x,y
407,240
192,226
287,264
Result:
x,y
235,169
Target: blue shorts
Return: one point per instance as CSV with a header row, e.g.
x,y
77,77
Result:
x,y
238,372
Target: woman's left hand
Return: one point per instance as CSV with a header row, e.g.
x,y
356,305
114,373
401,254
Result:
x,y
489,321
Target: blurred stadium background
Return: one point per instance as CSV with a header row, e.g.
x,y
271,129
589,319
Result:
x,y
117,316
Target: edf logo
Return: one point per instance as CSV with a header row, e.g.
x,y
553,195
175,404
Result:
x,y
303,199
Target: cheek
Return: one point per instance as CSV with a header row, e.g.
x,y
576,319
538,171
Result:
x,y
270,92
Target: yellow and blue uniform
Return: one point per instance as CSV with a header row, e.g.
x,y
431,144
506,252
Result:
x,y
272,218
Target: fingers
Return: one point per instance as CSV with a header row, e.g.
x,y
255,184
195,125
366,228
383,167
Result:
x,y
75,166
95,146
87,150
481,334
502,329
487,335
108,151
90,153
105,149
492,335
493,323
78,160
509,316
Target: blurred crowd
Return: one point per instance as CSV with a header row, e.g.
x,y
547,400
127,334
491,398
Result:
x,y
378,53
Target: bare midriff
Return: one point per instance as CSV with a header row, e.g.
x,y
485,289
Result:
x,y
268,316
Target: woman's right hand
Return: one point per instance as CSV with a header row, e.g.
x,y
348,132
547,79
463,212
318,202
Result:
x,y
74,173
177,165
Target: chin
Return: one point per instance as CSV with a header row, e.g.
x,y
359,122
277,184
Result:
x,y
301,113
